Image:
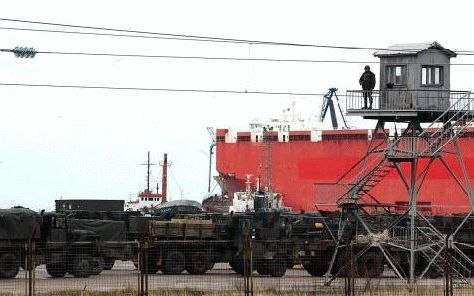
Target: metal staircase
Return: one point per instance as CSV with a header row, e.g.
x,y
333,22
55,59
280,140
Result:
x,y
433,139
456,118
370,172
459,268
432,248
371,179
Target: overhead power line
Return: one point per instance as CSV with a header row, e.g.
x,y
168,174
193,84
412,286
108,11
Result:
x,y
193,57
212,38
100,54
99,34
161,89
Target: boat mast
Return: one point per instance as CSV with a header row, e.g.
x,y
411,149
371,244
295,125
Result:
x,y
148,174
164,179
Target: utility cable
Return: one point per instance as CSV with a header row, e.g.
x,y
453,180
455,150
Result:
x,y
99,34
194,57
162,89
216,39
216,58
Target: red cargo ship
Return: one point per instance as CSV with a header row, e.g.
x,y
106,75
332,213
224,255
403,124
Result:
x,y
295,158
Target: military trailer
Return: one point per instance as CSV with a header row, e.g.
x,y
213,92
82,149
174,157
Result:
x,y
17,227
196,242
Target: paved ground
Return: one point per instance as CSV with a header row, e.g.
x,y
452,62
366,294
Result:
x,y
124,276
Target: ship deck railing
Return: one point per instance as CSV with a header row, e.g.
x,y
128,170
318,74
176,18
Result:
x,y
405,103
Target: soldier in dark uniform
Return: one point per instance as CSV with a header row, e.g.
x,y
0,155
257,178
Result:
x,y
367,81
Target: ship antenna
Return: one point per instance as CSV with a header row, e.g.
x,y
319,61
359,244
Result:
x,y
148,173
248,183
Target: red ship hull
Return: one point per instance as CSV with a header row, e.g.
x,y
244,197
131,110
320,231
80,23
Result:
x,y
297,163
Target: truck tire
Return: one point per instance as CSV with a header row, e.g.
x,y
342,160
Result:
x,y
290,264
57,270
315,268
198,263
82,266
277,267
237,264
174,263
151,265
109,263
262,268
97,265
370,265
211,265
9,266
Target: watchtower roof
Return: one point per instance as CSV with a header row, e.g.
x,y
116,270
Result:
x,y
412,49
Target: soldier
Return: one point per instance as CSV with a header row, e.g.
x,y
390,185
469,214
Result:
x,y
367,81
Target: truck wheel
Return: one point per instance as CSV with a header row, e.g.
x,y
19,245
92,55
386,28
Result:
x,y
277,267
109,263
82,266
9,266
262,268
97,265
56,269
290,264
211,265
174,263
237,265
198,263
315,268
151,264
370,265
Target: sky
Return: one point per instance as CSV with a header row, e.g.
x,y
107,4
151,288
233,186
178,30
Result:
x,y
73,143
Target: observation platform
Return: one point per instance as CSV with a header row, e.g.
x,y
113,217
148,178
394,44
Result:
x,y
400,105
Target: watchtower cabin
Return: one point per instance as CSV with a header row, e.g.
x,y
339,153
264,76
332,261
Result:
x,y
414,82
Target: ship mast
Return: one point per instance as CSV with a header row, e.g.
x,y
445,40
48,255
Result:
x,y
148,174
164,178
268,161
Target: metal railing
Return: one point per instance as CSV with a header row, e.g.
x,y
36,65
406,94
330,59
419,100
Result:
x,y
403,99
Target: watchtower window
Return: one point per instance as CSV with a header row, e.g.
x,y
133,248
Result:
x,y
396,75
431,75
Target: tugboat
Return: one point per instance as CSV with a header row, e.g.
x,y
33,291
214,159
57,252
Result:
x,y
148,200
249,201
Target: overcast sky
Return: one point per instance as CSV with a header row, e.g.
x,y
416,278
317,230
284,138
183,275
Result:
x,y
75,143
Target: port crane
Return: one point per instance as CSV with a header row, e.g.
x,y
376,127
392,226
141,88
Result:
x,y
328,103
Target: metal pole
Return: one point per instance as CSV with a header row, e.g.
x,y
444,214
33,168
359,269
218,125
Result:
x,y
25,249
244,264
142,268
210,168
349,274
413,215
448,279
251,262
29,267
146,266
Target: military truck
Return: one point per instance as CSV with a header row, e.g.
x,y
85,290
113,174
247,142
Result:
x,y
81,247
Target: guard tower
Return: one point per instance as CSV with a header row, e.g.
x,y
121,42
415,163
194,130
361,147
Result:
x,y
414,83
414,92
